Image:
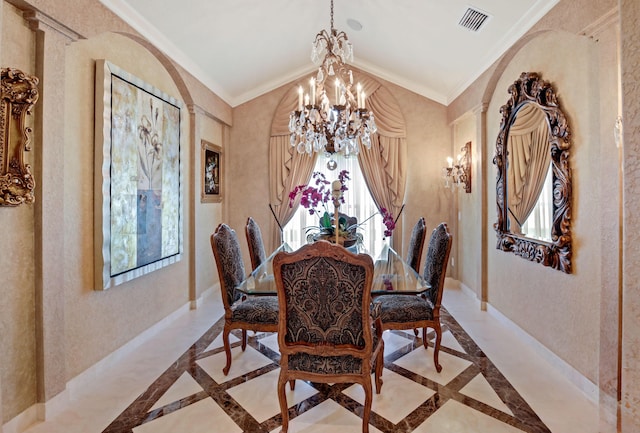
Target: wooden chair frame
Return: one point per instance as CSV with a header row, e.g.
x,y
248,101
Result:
x,y
372,357
229,323
434,323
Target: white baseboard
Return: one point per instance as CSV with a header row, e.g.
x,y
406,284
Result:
x,y
89,376
589,388
54,406
194,305
22,421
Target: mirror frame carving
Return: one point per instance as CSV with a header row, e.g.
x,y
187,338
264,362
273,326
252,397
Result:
x,y
530,88
19,95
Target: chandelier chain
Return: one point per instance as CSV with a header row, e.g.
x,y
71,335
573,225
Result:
x,y
331,16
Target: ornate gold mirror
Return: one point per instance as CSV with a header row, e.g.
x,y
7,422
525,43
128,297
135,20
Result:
x,y
533,188
19,94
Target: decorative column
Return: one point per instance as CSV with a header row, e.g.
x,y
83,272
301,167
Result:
x,y
51,39
481,168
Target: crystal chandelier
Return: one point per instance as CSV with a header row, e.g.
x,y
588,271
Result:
x,y
331,123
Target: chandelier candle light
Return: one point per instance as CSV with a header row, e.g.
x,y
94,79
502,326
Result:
x,y
320,126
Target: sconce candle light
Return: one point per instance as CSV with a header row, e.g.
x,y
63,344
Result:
x,y
459,174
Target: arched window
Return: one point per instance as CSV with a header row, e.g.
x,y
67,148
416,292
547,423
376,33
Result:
x,y
358,203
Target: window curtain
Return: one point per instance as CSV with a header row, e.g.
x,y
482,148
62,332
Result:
x,y
529,159
383,166
287,168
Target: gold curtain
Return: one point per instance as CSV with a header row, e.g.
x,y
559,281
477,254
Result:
x,y
529,159
384,166
287,168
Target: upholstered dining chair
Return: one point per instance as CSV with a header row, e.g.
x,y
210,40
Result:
x,y
398,311
254,240
255,313
325,331
416,244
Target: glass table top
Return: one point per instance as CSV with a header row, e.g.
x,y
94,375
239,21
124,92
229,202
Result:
x,y
391,275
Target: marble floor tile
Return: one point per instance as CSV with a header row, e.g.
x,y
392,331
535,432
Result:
x,y
399,396
241,363
204,416
182,388
327,417
259,396
455,417
420,361
490,382
480,389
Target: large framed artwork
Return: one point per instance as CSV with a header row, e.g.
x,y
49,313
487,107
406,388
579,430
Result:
x,y
138,194
211,173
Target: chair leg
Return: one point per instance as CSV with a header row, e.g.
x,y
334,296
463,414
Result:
x,y
424,337
378,369
292,384
436,347
282,399
244,339
415,331
227,349
368,398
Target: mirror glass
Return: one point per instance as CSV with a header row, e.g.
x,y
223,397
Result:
x,y
533,184
529,174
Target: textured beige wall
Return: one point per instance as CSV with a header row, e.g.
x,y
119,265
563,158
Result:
x,y
98,322
248,167
428,144
17,302
630,27
555,308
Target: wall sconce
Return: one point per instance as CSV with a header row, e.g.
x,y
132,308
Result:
x,y
459,174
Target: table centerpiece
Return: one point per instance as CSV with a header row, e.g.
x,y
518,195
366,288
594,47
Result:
x,y
335,228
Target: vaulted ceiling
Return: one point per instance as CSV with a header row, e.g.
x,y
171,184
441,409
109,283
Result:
x,y
241,49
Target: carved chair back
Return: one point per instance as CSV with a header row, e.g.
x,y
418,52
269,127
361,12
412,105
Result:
x,y
256,245
228,257
435,266
324,293
416,244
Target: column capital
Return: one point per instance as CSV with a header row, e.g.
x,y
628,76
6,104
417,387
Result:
x,y
39,21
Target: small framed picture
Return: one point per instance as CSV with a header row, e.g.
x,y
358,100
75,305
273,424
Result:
x,y
211,173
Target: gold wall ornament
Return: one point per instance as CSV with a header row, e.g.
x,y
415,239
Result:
x,y
19,95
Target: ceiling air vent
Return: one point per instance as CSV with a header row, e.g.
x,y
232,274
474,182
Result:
x,y
473,19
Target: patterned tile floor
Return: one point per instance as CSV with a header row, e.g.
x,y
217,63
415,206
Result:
x,y
514,391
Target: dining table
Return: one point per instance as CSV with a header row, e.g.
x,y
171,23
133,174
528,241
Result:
x,y
391,274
